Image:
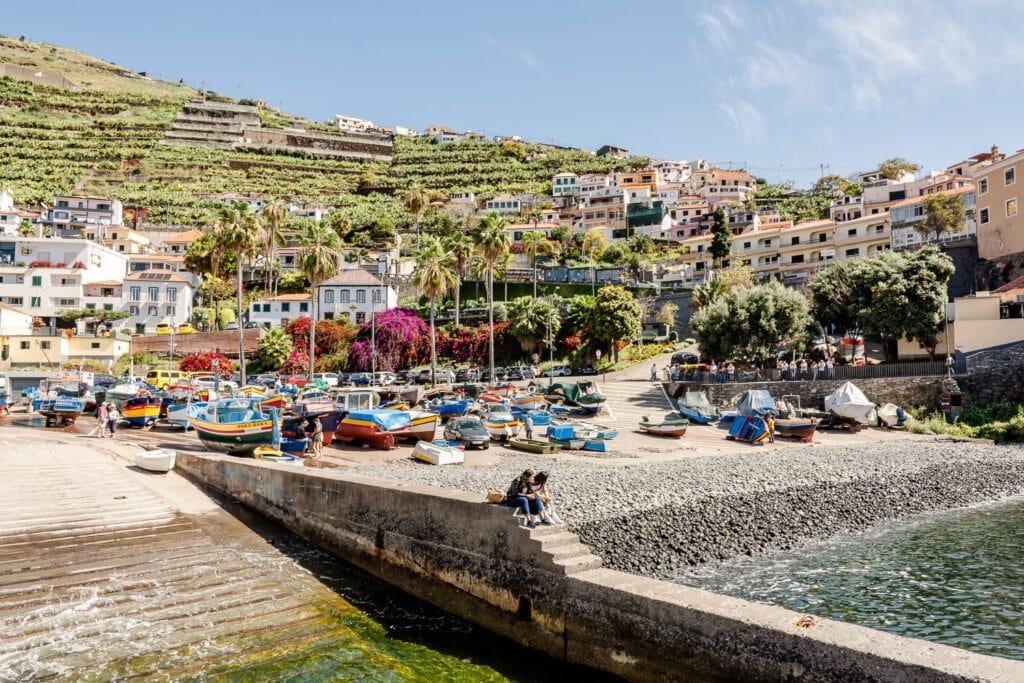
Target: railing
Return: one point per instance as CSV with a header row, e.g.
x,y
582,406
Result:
x,y
839,372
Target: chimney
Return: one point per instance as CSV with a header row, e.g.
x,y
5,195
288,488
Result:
x,y
996,156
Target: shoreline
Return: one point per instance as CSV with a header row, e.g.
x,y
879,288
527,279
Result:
x,y
703,510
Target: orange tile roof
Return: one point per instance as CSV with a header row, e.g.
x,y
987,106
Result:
x,y
1011,285
290,297
735,175
917,200
184,237
105,283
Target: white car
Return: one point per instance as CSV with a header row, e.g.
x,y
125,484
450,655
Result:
x,y
384,379
208,382
558,371
328,378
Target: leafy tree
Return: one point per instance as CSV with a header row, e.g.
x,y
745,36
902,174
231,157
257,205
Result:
x,y
205,257
736,276
616,316
615,254
830,296
415,201
512,149
944,213
896,167
594,244
461,247
293,282
319,259
833,186
751,322
579,314
339,222
534,242
533,321
667,313
721,237
384,230
706,293
238,232
435,278
25,228
274,348
493,240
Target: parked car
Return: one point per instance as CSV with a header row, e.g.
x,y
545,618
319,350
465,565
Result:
x,y
513,374
208,382
360,379
467,375
558,371
383,379
233,325
328,378
297,380
164,328
268,381
185,328
253,325
404,377
685,358
585,370
468,430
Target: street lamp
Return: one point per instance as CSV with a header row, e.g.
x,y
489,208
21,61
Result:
x,y
551,345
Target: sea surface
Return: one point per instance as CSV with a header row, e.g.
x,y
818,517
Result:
x,y
955,578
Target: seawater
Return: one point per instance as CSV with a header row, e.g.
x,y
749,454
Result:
x,y
955,578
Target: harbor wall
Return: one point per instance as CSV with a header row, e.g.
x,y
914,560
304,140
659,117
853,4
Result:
x,y
544,589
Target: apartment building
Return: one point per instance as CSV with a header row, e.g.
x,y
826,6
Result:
x,y
908,215
998,194
11,217
593,183
36,350
172,262
71,214
280,310
120,238
687,217
632,180
603,208
353,295
565,184
716,185
156,296
504,203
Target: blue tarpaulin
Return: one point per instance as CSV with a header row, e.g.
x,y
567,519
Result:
x,y
755,403
386,419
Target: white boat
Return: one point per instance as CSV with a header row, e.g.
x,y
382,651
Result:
x,y
161,460
438,455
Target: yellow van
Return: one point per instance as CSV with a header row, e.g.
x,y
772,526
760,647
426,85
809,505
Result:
x,y
161,379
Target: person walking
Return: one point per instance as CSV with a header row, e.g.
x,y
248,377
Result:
x,y
654,372
949,364
101,421
318,437
528,425
769,422
113,417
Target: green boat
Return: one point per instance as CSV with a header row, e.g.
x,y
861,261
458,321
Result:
x,y
583,395
568,444
534,446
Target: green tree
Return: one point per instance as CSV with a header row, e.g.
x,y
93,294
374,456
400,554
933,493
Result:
x,y
751,322
493,241
594,244
616,316
25,228
534,241
206,256
579,314
238,232
895,168
667,314
435,278
461,247
384,230
319,259
833,186
274,215
533,321
706,293
944,213
415,201
721,237
830,296
274,349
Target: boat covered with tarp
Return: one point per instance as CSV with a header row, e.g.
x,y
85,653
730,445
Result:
x,y
849,402
584,395
755,403
695,407
375,428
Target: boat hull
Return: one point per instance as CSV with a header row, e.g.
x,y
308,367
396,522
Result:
x,y
748,430
568,444
242,437
359,432
422,427
595,445
694,416
534,446
436,454
668,429
141,411
802,430
497,429
156,461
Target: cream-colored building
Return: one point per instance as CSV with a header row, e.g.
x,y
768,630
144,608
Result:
x,y
998,189
53,350
976,322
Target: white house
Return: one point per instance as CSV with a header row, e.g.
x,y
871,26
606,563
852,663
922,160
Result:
x,y
280,310
14,321
354,294
255,202
156,296
73,213
503,203
351,123
565,184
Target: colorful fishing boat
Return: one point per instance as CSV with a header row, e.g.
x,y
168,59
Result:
x,y
595,445
375,428
453,407
670,425
311,401
529,401
234,425
60,410
329,421
800,428
499,421
589,430
141,410
534,446
570,444
541,418
748,430
177,414
422,426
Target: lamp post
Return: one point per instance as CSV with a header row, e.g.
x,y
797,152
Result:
x,y
551,346
598,354
216,376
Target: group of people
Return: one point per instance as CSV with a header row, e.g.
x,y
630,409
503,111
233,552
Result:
x,y
107,419
529,494
804,369
315,441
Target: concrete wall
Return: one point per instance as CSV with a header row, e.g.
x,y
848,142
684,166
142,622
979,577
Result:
x,y
544,590
903,391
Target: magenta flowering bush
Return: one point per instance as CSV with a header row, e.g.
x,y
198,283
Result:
x,y
402,340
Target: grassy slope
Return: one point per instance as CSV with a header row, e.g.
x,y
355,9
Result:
x,y
102,138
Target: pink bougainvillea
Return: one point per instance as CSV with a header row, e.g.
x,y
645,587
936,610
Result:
x,y
402,341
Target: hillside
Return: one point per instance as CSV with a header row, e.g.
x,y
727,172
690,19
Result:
x,y
70,122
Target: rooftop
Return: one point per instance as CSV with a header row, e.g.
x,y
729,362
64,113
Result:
x,y
1011,286
154,276
184,237
353,277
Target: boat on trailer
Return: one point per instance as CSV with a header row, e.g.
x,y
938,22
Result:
x,y
61,410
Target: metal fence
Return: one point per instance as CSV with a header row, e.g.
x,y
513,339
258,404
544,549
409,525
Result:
x,y
839,372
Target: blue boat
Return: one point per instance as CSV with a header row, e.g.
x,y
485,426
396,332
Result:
x,y
541,418
695,407
450,407
235,425
61,410
748,430
177,413
596,445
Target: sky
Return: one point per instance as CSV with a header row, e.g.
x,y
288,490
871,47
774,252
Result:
x,y
786,89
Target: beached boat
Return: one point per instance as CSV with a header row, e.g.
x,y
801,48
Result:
x,y
801,428
141,410
234,425
329,421
422,426
695,407
595,445
528,401
534,446
541,418
177,413
376,428
311,401
670,425
452,407
358,399
293,446
60,410
589,430
438,454
570,444
749,430
583,395
850,403
161,460
500,422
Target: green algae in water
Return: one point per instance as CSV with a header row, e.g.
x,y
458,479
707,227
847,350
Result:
x,y
955,578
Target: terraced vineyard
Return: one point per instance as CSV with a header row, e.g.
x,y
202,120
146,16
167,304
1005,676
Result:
x,y
101,136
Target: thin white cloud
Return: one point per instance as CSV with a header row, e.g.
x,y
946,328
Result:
x,y
747,120
520,54
720,26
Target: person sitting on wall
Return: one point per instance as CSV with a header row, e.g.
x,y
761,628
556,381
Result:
x,y
540,487
520,496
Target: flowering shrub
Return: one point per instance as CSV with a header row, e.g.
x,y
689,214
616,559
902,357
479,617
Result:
x,y
297,363
469,344
79,265
39,264
203,362
331,336
402,340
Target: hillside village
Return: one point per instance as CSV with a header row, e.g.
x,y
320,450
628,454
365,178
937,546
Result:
x,y
109,178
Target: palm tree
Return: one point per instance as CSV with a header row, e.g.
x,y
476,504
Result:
x,y
319,259
493,241
357,255
415,200
435,278
238,231
533,242
274,214
461,248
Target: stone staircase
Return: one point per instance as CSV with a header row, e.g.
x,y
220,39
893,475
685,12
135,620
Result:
x,y
565,549
630,400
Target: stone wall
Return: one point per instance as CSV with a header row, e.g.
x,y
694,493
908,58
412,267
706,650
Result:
x,y
543,589
995,375
201,342
903,391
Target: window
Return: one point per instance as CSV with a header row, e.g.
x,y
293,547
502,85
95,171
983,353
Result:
x,y
376,296
983,186
255,308
154,294
24,346
153,311
797,258
983,216
37,280
1009,176
94,345
172,294
853,252
108,307
133,310
90,307
266,308
746,245
329,296
140,328
285,307
879,229
360,296
795,240
303,308
1011,207
44,345
852,232
36,302
360,318
344,296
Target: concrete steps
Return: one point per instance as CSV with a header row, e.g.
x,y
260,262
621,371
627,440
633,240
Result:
x,y
565,549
